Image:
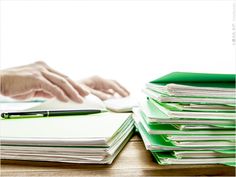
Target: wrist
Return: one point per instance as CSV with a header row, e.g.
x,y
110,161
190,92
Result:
x,y
3,75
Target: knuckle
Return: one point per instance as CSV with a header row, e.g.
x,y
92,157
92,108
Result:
x,y
39,83
39,68
40,62
67,77
57,91
34,75
43,72
63,81
96,77
54,88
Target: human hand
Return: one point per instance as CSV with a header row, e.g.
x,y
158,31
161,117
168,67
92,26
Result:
x,y
104,88
39,80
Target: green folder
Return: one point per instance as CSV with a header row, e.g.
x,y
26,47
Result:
x,y
198,79
196,110
191,114
157,143
170,129
199,88
199,108
204,153
161,94
154,115
183,138
168,158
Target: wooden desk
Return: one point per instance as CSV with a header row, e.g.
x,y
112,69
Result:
x,y
134,160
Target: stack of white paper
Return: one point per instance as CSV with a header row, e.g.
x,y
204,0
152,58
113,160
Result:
x,y
95,138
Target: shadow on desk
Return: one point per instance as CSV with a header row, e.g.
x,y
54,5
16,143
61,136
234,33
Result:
x,y
134,160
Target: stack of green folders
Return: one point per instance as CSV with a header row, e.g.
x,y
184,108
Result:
x,y
189,118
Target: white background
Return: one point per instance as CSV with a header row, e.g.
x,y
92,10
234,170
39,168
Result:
x,y
130,41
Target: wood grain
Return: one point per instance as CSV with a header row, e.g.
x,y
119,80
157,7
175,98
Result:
x,y
134,160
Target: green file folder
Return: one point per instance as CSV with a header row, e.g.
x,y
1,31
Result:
x,y
200,88
198,79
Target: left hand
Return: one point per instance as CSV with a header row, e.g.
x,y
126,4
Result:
x,y
104,88
39,80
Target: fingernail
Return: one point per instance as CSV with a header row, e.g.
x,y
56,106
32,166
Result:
x,y
86,93
79,100
63,100
66,100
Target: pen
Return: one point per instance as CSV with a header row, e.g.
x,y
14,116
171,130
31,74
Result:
x,y
29,114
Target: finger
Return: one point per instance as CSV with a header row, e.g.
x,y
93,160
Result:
x,y
100,94
109,91
53,90
121,86
117,88
64,85
82,91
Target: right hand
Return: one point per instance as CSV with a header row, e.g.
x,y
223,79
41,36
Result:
x,y
104,88
39,80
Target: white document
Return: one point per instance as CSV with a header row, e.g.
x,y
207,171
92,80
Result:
x,y
204,143
154,130
94,129
201,154
197,161
166,98
52,154
200,137
199,115
90,102
184,90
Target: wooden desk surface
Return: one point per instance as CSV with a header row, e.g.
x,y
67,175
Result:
x,y
134,160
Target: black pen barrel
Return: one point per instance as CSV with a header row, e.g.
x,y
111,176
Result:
x,y
72,112
9,115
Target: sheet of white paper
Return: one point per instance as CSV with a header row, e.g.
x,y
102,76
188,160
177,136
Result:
x,y
17,106
95,126
90,102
